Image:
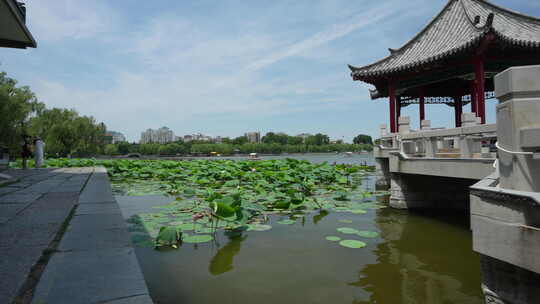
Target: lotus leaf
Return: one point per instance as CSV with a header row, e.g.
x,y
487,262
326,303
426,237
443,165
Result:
x,y
258,227
367,234
352,244
286,222
200,238
333,238
347,230
168,236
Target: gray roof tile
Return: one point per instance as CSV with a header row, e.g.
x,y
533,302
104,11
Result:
x,y
454,30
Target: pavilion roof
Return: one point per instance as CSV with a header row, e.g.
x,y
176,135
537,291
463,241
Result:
x,y
461,25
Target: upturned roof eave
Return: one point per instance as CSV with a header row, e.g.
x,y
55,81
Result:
x,y
368,73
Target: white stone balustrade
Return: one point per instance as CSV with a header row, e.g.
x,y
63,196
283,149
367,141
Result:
x,y
404,123
518,128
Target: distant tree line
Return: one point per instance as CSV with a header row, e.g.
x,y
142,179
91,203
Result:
x,y
64,131
272,143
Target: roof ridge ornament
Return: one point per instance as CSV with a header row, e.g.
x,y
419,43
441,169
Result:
x,y
392,51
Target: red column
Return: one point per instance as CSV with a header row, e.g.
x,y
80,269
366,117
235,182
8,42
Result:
x,y
457,110
422,99
398,109
480,87
473,98
392,96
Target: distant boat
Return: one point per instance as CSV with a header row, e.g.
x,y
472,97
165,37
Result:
x,y
348,154
254,156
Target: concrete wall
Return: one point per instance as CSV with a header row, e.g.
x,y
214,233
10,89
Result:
x,y
427,192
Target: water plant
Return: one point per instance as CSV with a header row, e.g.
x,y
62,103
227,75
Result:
x,y
352,244
207,195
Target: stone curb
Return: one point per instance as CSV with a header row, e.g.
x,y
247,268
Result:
x,y
95,261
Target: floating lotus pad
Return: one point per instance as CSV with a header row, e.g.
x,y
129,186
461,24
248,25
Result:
x,y
286,222
347,230
333,238
258,227
358,211
345,221
200,238
352,244
205,230
189,226
368,234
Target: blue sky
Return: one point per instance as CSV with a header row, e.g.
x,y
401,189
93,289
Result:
x,y
221,67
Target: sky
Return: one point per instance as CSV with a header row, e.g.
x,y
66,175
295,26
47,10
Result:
x,y
222,68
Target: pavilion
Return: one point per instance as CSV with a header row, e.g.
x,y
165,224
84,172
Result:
x,y
453,59
13,30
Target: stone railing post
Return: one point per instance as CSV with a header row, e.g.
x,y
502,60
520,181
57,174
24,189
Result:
x,y
469,120
430,146
383,130
404,124
425,124
518,127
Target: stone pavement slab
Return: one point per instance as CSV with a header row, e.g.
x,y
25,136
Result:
x,y
143,299
95,231
95,261
14,198
15,265
29,222
91,277
9,211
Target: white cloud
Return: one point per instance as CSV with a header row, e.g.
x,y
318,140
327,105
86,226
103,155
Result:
x,y
67,19
333,32
172,71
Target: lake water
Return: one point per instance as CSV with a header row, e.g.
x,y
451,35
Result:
x,y
417,258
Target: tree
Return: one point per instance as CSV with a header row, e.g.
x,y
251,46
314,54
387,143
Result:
x,y
363,139
318,140
240,140
295,140
111,149
66,133
123,148
17,105
275,138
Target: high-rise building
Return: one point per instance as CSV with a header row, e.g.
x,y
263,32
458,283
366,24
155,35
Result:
x,y
253,137
162,135
116,137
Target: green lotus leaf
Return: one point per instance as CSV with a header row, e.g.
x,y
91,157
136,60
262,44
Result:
x,y
358,211
352,244
345,221
347,230
333,238
199,238
258,227
189,226
286,222
367,234
168,236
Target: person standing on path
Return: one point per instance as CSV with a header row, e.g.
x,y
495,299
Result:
x,y
25,151
39,151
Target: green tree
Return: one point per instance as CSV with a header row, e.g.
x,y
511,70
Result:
x,y
111,149
17,105
240,140
123,148
318,140
67,133
363,139
294,140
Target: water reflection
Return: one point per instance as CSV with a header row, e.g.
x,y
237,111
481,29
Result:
x,y
223,260
317,218
417,266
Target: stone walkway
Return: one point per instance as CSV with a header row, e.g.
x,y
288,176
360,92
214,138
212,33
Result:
x,y
94,261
